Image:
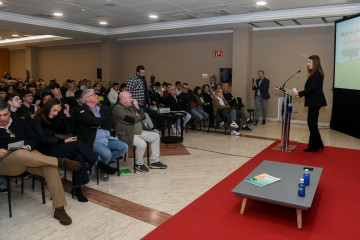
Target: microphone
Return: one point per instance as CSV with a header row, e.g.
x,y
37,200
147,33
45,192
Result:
x,y
289,79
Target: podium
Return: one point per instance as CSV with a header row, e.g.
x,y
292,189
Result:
x,y
286,117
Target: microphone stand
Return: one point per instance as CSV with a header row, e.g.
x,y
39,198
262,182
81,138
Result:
x,y
282,88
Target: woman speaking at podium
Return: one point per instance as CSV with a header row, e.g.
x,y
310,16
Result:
x,y
314,99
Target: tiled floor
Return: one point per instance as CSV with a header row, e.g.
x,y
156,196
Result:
x,y
212,157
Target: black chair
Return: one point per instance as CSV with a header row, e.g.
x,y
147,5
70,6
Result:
x,y
8,178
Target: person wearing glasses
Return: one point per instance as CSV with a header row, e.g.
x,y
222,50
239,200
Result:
x,y
23,158
14,102
93,125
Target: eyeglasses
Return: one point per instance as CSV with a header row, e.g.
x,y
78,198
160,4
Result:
x,y
10,132
91,95
16,99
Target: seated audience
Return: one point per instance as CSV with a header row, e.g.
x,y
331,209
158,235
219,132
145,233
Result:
x,y
19,86
244,115
14,102
16,162
27,103
208,97
54,88
54,128
188,103
221,106
114,94
70,91
173,103
2,93
198,110
93,125
179,87
123,87
128,118
103,99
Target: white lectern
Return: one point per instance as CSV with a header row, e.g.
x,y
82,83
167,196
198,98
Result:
x,y
286,117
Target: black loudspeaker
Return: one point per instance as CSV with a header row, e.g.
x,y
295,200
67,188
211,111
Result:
x,y
99,73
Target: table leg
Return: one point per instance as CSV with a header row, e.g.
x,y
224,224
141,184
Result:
x,y
243,205
299,218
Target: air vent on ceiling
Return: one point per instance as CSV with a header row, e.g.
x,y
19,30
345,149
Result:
x,y
218,12
43,15
110,4
184,16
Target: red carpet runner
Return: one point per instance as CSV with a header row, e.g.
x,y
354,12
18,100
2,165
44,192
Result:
x,y
333,215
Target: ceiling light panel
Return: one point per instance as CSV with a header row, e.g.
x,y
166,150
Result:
x,y
310,21
266,24
158,7
287,23
191,4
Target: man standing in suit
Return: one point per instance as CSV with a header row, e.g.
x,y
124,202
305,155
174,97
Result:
x,y
261,88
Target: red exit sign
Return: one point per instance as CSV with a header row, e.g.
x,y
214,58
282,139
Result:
x,y
217,53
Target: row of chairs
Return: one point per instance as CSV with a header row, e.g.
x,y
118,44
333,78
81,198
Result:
x,y
42,180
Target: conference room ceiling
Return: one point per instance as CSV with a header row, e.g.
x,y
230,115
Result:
x,y
129,19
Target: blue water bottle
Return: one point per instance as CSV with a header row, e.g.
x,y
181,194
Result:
x,y
306,177
301,189
289,108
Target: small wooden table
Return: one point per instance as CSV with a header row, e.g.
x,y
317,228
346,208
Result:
x,y
283,192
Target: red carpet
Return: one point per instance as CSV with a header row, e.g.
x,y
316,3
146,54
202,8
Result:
x,y
333,215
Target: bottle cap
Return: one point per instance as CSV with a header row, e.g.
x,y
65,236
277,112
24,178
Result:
x,y
301,180
307,171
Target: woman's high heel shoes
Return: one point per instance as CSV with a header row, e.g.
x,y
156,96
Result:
x,y
76,191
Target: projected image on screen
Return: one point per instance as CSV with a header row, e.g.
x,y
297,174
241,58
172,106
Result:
x,y
347,54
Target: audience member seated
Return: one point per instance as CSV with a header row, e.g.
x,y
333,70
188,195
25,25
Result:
x,y
103,99
46,124
173,103
9,89
178,86
198,111
221,106
14,102
128,118
93,125
114,94
244,115
165,87
64,88
208,97
46,96
123,87
2,93
54,88
19,86
16,162
27,103
70,91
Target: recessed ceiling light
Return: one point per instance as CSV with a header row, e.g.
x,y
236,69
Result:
x,y
103,23
57,14
0,3
153,16
261,3
15,35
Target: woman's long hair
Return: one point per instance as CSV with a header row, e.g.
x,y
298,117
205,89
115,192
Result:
x,y
43,113
195,91
316,65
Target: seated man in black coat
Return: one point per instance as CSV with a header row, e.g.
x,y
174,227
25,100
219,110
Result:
x,y
173,102
15,160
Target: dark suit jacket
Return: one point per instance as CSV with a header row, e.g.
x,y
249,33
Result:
x,y
86,123
22,132
314,95
171,103
264,88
